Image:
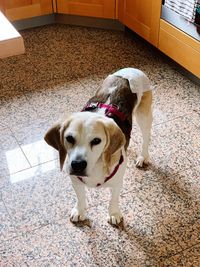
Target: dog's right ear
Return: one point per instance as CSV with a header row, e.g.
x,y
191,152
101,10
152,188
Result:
x,y
53,137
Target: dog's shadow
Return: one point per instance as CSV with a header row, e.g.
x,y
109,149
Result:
x,y
82,224
145,237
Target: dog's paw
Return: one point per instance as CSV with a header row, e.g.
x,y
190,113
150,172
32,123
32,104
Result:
x,y
141,161
115,218
77,216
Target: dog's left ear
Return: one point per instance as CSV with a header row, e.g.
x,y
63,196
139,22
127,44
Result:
x,y
53,137
115,141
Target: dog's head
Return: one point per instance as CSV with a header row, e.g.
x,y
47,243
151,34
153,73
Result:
x,y
86,138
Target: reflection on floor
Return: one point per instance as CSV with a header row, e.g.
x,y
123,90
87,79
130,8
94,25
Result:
x,y
61,69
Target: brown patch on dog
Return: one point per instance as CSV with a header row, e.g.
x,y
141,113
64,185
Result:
x,y
116,91
55,138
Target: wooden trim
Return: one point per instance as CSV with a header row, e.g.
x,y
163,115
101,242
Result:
x,y
120,10
11,47
116,9
155,21
180,47
183,37
23,12
2,6
54,6
104,9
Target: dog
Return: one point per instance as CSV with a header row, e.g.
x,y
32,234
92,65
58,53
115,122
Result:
x,y
95,140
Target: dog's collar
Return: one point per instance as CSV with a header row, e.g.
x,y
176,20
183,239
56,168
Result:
x,y
121,160
110,110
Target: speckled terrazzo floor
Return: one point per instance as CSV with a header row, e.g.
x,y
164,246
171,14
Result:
x,y
61,69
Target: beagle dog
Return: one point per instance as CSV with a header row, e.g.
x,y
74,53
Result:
x,y
95,139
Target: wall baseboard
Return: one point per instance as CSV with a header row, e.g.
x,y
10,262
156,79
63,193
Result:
x,y
110,24
34,22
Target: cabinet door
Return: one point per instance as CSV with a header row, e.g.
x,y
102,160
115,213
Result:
x,y
21,9
90,8
143,17
2,5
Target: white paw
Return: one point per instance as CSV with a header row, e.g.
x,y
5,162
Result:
x,y
140,161
115,218
77,215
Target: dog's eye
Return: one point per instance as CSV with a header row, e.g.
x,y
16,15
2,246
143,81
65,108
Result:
x,y
70,139
95,141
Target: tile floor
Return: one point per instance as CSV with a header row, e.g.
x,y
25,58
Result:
x,y
61,69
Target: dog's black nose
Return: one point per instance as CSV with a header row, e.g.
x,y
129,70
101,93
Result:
x,y
78,165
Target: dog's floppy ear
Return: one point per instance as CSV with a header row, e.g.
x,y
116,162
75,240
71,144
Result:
x,y
115,141
54,138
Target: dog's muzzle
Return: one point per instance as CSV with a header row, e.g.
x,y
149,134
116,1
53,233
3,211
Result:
x,y
78,166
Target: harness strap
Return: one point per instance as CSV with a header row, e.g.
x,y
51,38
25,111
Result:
x,y
110,109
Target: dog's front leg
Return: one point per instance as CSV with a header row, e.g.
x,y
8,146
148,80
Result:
x,y
78,212
115,215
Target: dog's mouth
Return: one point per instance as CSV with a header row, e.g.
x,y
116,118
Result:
x,y
80,174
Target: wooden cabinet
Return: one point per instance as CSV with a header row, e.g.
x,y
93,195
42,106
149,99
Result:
x,y
143,17
90,8
21,9
180,47
2,5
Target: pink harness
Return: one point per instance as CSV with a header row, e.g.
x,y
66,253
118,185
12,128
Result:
x,y
110,110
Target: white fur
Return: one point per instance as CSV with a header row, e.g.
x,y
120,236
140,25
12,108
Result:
x,y
144,122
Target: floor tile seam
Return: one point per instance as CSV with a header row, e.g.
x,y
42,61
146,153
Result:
x,y
37,165
161,222
165,259
30,165
78,250
20,125
8,174
172,236
182,251
171,120
28,100
11,219
23,234
193,246
13,134
184,168
28,124
173,182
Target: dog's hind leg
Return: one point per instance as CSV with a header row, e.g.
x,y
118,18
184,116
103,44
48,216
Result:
x,y
143,116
